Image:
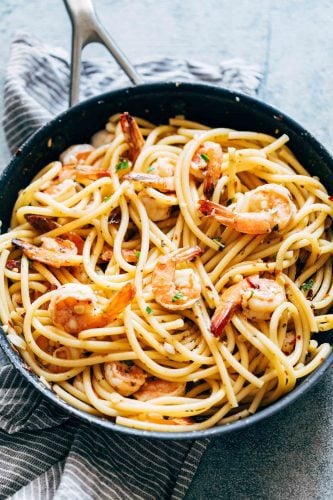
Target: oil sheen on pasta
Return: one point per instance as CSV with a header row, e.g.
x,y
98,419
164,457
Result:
x,y
170,277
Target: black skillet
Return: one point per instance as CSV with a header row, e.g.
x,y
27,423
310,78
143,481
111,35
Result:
x,y
156,102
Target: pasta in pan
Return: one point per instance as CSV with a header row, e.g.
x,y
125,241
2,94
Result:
x,y
170,277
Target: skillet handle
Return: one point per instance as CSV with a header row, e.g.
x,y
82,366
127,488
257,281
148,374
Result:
x,y
88,29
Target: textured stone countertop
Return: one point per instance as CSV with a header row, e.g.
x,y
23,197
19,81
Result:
x,y
290,455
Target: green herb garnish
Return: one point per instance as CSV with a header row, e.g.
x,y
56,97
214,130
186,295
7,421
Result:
x,y
149,310
137,254
106,198
150,169
307,285
251,294
219,241
205,157
177,296
128,362
122,165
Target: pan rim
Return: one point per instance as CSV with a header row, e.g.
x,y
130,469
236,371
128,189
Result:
x,y
102,422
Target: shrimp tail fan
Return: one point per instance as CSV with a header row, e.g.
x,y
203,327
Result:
x,y
221,318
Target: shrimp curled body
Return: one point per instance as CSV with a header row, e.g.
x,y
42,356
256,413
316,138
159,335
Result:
x,y
164,184
257,297
176,289
73,307
55,252
155,388
57,352
209,156
268,208
125,379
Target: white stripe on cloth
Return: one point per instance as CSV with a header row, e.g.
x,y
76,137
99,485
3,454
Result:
x,y
45,453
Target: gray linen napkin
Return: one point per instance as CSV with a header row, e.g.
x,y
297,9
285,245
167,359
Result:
x,y
45,453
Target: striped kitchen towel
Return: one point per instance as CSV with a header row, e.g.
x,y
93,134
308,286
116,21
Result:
x,y
45,453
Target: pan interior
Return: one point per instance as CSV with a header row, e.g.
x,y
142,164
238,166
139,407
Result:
x,y
157,103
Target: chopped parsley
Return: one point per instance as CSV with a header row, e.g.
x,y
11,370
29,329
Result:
x,y
150,169
177,296
106,198
251,294
205,157
122,165
137,254
307,285
128,362
276,227
219,241
149,310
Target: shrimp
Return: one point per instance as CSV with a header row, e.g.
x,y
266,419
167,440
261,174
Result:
x,y
64,185
268,208
92,172
155,388
80,274
129,255
163,166
162,177
101,138
257,297
156,210
46,224
75,153
55,252
73,164
156,418
176,289
54,349
73,307
123,377
133,136
209,155
164,184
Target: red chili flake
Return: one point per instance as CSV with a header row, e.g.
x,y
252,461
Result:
x,y
253,285
14,265
330,198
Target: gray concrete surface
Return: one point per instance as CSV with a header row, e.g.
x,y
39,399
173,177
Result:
x,y
290,456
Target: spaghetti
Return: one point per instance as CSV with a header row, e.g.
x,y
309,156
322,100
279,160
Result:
x,y
170,277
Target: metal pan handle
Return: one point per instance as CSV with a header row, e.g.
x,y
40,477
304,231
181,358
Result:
x,y
87,28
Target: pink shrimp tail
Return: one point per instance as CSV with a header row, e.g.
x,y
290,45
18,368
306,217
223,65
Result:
x,y
207,207
226,309
121,300
132,135
221,318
